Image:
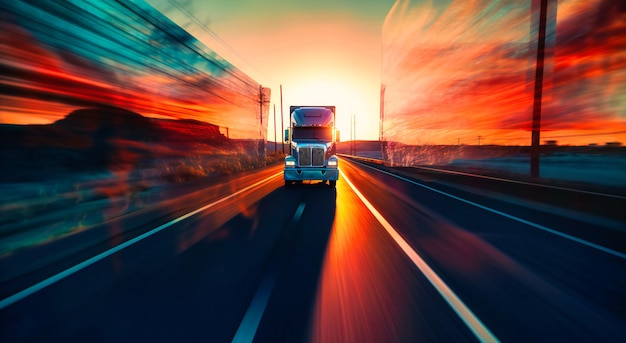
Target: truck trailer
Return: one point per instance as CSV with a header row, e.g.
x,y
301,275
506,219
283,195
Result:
x,y
312,138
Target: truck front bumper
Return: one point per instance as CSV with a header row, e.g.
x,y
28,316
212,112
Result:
x,y
300,174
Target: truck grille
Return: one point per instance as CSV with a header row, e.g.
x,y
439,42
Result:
x,y
311,157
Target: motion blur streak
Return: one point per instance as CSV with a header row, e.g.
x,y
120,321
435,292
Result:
x,y
522,182
462,73
57,56
529,223
47,282
474,323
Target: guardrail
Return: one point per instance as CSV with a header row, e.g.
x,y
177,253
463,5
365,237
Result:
x,y
364,159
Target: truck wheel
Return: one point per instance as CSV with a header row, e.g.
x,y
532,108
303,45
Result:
x,y
332,183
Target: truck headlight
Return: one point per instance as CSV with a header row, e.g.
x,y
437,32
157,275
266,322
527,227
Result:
x,y
333,162
290,161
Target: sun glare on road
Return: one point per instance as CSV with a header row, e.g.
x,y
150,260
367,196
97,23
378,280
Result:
x,y
357,299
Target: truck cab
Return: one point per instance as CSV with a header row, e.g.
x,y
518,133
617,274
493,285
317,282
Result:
x,y
312,138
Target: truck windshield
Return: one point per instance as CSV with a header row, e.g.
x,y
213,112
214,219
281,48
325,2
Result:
x,y
318,133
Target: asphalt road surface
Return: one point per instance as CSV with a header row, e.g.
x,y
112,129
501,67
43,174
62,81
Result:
x,y
424,257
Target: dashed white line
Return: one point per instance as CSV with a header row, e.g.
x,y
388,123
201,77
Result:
x,y
298,213
251,320
57,277
469,318
524,221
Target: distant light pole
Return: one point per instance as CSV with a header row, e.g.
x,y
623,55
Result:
x,y
353,135
275,142
355,142
282,122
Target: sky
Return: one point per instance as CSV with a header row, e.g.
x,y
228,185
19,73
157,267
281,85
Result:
x,y
462,72
453,71
325,52
60,56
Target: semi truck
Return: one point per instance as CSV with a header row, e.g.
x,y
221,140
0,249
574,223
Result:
x,y
312,137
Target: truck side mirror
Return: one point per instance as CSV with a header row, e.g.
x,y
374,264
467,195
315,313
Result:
x,y
286,138
337,136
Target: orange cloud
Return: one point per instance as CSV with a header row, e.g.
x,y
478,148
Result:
x,y
158,71
468,67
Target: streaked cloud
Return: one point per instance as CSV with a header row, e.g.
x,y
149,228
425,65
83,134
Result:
x,y
60,56
468,67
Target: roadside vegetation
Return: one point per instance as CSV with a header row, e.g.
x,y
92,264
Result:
x,y
96,165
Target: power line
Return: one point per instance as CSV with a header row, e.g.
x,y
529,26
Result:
x,y
215,36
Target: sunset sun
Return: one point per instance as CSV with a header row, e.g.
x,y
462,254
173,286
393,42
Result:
x,y
347,98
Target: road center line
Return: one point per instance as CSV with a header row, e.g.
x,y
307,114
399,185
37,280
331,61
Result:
x,y
469,318
57,277
251,320
524,221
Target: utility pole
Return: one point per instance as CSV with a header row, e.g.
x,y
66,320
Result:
x,y
382,113
536,126
275,142
261,147
351,137
282,122
262,101
381,136
355,142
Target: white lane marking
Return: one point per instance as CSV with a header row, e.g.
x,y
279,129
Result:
x,y
298,213
521,182
469,318
524,221
251,320
49,281
356,159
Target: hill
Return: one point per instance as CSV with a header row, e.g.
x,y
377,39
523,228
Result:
x,y
98,140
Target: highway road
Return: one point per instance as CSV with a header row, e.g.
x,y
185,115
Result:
x,y
409,257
